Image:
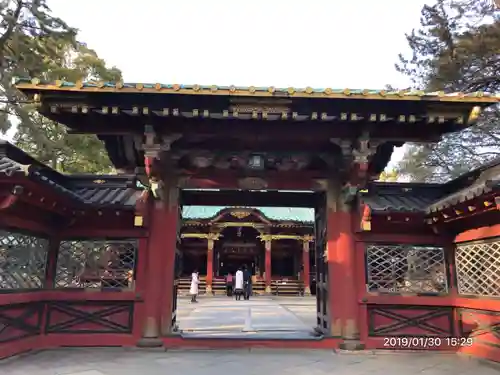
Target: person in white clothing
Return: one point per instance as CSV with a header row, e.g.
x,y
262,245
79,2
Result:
x,y
238,284
193,290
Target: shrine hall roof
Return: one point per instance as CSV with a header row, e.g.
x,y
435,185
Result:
x,y
103,190
299,214
26,84
400,197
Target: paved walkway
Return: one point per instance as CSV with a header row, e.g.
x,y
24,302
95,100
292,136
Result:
x,y
260,317
114,361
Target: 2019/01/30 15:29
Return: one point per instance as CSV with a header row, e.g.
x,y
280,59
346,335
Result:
x,y
427,342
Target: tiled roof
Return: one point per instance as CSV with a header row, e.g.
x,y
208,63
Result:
x,y
300,214
483,180
400,197
93,190
268,91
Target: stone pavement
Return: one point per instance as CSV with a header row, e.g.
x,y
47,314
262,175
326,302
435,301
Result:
x,y
260,317
115,361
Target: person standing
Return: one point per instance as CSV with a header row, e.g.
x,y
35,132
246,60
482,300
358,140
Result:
x,y
238,285
247,280
229,284
193,290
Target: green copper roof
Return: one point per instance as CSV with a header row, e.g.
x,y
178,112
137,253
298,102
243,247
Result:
x,y
274,213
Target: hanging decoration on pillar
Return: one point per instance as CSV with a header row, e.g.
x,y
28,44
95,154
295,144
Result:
x,y
366,224
362,154
155,146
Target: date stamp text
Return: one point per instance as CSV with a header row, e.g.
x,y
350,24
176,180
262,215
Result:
x,y
427,342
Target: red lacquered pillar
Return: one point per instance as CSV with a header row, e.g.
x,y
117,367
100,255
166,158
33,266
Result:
x,y
158,236
341,267
307,268
210,266
267,266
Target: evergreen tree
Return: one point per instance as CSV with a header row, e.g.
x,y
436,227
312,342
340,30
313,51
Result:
x,y
456,48
34,43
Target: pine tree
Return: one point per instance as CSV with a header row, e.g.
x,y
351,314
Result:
x,y
34,43
456,48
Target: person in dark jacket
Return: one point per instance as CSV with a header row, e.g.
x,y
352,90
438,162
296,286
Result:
x,y
247,282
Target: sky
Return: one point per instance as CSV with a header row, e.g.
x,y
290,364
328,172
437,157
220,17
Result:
x,y
318,43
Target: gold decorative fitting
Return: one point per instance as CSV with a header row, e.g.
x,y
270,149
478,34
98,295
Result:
x,y
459,120
114,110
458,212
35,81
474,114
314,116
471,208
166,111
412,118
139,86
366,226
158,86
206,113
135,110
235,114
232,89
407,219
354,117
176,87
213,88
53,109
196,88
100,84
402,118
346,92
487,204
284,115
195,112
85,109
324,116
176,112
79,84
271,89
366,92
291,90
383,117
145,111
138,221
382,93
119,85
294,115
251,89
240,214
440,93
401,93
225,113
434,219
105,110
99,182
328,91
343,116
59,83
264,114
74,109
441,120
309,90
373,117
255,114
389,218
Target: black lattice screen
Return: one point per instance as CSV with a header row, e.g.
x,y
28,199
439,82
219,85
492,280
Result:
x,y
478,268
23,261
96,264
406,269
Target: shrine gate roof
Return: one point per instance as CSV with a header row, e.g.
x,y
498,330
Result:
x,y
299,214
103,190
26,84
